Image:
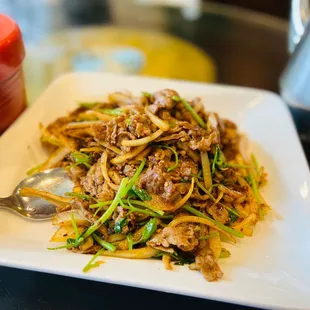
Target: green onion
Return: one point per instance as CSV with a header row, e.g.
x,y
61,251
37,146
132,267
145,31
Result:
x,y
224,253
81,159
128,121
215,159
79,195
122,191
205,190
256,194
90,264
76,231
87,105
136,175
218,224
130,241
107,245
34,170
143,204
100,204
213,235
190,109
218,159
143,211
114,112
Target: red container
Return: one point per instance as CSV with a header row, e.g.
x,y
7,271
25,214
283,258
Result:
x,y
12,86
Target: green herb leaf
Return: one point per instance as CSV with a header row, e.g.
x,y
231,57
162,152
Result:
x,y
140,193
233,217
118,227
148,231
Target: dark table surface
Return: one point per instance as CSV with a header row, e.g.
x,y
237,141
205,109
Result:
x,y
234,39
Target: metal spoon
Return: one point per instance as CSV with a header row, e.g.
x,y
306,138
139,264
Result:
x,y
56,181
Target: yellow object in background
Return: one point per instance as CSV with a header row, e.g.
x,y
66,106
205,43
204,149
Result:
x,y
109,49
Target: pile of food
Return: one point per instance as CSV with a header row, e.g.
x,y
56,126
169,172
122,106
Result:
x,y
155,176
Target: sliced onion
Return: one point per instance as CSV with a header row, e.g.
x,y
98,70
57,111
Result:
x,y
104,170
143,141
65,232
55,158
129,155
110,147
65,218
56,200
182,202
159,203
206,172
250,220
164,126
80,125
95,149
142,253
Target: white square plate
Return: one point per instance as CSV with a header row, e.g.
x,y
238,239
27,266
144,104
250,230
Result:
x,y
270,270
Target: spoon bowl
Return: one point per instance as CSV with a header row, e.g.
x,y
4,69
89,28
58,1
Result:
x,y
56,181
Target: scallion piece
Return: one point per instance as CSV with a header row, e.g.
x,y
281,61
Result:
x,y
107,245
130,241
81,159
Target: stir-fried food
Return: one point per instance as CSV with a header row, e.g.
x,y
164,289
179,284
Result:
x,y
155,176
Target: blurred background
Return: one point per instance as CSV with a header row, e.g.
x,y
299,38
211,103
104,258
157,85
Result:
x,y
238,42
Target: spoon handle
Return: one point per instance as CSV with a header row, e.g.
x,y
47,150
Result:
x,y
6,203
